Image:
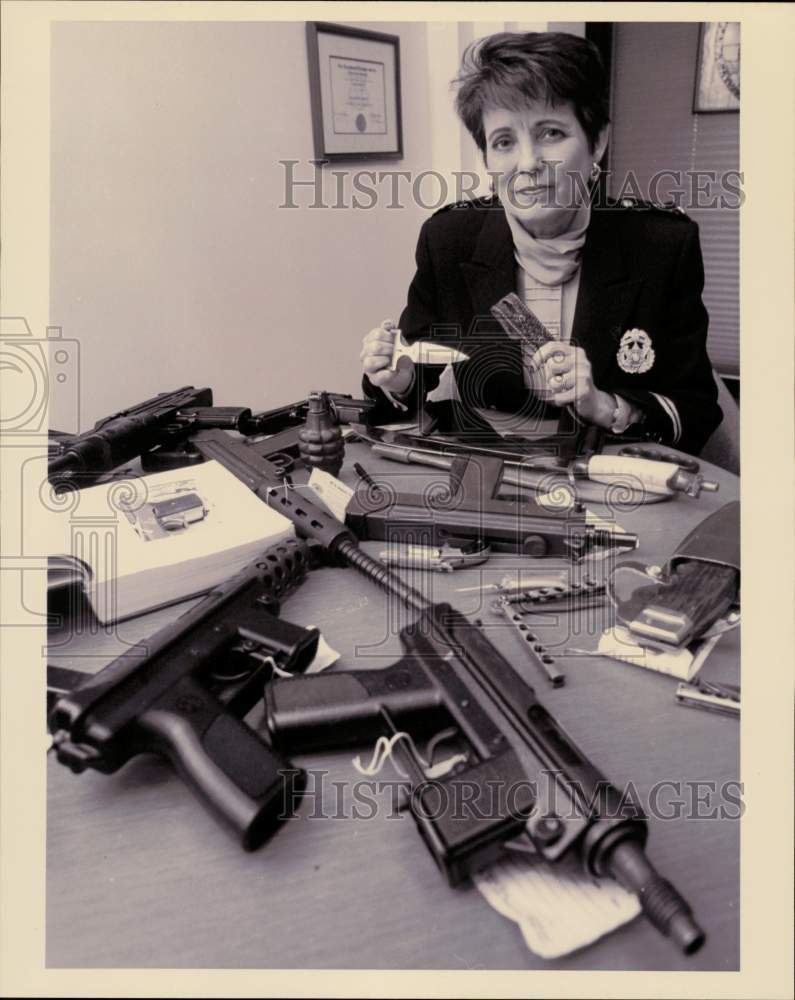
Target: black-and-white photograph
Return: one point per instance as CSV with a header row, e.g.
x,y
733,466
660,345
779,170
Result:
x,y
414,345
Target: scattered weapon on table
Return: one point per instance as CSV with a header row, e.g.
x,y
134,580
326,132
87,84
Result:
x,y
522,777
574,597
520,323
645,479
721,698
276,432
698,588
183,694
310,519
441,559
81,459
422,352
441,646
157,432
320,439
477,436
471,510
538,576
643,474
537,655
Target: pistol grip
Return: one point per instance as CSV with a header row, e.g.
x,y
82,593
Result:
x,y
331,711
236,774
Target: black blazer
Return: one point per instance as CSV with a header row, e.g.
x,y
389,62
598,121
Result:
x,y
641,268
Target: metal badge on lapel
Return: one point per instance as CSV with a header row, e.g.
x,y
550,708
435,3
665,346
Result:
x,y
635,353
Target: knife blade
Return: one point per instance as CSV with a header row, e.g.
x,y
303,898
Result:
x,y
424,352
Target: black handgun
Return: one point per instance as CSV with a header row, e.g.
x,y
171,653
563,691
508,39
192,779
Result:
x,y
183,694
523,778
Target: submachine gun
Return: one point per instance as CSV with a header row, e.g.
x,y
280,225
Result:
x,y
183,694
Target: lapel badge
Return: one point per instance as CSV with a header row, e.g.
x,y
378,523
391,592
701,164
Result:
x,y
635,353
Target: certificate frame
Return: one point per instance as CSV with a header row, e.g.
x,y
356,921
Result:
x,y
354,89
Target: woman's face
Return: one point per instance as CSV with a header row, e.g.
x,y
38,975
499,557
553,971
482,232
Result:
x,y
541,162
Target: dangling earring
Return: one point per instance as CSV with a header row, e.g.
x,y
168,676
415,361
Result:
x,y
595,171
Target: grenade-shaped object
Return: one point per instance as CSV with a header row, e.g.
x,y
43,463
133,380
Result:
x,y
320,439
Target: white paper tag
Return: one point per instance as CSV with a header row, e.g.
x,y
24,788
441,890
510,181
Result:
x,y
324,657
334,494
683,663
558,907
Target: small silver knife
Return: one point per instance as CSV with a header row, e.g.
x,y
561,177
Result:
x,y
424,352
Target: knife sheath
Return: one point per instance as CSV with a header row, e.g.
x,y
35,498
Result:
x,y
716,540
699,585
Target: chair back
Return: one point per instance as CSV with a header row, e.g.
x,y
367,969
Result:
x,y
723,448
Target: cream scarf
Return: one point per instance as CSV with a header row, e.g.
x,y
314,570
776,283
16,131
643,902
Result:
x,y
554,260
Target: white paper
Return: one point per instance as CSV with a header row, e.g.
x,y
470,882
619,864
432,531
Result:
x,y
134,561
558,907
334,493
324,657
617,643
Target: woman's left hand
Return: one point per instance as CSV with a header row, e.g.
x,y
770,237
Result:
x,y
564,373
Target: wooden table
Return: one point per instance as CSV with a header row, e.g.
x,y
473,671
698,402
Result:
x,y
140,876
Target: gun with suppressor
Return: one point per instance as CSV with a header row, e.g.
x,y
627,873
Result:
x,y
183,694
523,777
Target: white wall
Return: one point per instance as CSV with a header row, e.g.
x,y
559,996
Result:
x,y
171,261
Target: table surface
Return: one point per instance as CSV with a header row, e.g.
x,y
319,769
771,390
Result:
x,y
140,876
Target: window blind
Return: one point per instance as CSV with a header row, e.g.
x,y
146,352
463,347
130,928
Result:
x,y
654,129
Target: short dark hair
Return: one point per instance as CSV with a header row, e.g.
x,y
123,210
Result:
x,y
512,70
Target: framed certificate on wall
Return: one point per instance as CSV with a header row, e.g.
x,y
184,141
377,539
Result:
x,y
354,86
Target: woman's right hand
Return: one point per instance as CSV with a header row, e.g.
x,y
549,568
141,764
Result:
x,y
376,356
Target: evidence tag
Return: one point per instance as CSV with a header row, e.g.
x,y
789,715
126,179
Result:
x,y
332,491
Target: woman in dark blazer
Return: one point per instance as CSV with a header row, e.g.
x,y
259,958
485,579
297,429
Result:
x,y
618,284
